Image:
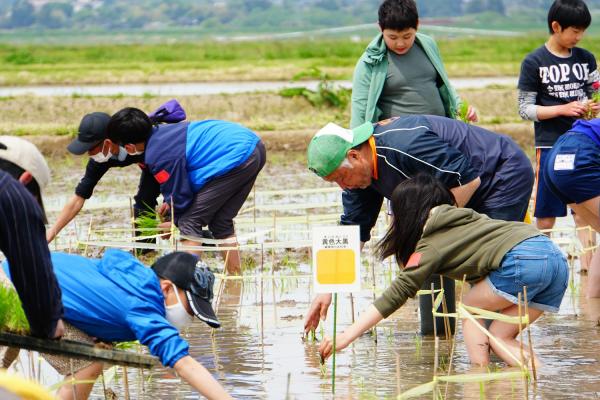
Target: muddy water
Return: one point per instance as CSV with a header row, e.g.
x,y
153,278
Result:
x,y
259,353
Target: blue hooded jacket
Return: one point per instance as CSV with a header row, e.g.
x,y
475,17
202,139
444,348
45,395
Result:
x,y
183,157
117,298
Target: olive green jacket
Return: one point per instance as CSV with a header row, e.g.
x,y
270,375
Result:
x,y
457,243
370,74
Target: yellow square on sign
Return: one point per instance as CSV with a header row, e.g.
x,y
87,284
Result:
x,y
336,266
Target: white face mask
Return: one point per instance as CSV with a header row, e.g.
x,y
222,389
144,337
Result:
x,y
122,154
136,153
100,157
177,315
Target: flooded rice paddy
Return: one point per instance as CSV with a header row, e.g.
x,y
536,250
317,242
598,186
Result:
x,y
259,352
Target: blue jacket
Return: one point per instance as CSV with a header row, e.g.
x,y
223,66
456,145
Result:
x,y
590,128
183,157
116,299
453,152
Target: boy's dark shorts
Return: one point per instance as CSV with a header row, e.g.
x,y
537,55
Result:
x,y
573,168
547,204
220,200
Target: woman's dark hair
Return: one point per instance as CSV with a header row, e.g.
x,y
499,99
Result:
x,y
398,15
129,125
412,200
568,13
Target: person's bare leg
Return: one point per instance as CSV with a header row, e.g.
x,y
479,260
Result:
x,y
187,242
593,282
589,211
507,333
80,391
477,343
545,223
230,257
587,239
233,263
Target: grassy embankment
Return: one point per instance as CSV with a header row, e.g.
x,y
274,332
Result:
x,y
220,61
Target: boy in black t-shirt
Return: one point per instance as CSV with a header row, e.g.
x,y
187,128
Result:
x,y
554,85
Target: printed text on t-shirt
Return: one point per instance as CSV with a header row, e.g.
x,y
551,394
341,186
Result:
x,y
555,74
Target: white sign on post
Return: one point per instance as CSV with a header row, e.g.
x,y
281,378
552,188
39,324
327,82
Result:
x,y
336,259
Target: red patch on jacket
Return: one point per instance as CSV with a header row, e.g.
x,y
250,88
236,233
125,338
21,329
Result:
x,y
162,176
413,260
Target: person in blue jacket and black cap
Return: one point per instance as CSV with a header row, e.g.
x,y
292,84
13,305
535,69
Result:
x,y
206,170
117,299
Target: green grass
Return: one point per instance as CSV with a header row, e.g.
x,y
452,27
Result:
x,y
12,316
213,60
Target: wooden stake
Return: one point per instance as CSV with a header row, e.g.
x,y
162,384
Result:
x,y
89,233
447,329
398,385
432,310
274,240
262,309
374,329
531,354
436,348
453,337
352,306
125,383
523,364
334,348
287,390
132,215
254,210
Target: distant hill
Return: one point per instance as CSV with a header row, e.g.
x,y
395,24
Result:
x,y
244,16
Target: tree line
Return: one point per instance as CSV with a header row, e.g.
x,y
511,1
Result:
x,y
229,15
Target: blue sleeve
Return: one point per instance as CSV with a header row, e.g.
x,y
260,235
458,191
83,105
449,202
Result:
x,y
432,155
361,207
154,331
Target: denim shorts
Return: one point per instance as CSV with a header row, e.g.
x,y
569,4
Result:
x,y
537,264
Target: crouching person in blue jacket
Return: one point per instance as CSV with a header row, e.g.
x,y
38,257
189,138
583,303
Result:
x,y
206,170
117,299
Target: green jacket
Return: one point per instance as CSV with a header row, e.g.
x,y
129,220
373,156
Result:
x,y
370,74
456,242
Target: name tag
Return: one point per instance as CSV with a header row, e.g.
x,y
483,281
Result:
x,y
564,162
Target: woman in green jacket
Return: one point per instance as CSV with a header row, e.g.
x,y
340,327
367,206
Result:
x,y
498,258
394,78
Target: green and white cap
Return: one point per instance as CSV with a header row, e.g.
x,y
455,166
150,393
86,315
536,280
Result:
x,y
328,148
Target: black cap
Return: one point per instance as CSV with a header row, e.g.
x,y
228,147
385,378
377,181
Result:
x,y
92,130
191,274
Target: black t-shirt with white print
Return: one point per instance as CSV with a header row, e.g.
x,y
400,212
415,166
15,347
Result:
x,y
556,80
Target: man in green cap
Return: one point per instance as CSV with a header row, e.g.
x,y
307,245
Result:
x,y
484,171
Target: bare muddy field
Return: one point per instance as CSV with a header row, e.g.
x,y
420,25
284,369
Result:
x,y
259,352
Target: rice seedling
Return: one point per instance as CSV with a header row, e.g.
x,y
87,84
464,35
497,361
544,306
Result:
x,y
147,222
12,316
463,112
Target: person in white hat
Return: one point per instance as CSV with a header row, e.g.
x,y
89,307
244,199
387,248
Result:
x,y
23,175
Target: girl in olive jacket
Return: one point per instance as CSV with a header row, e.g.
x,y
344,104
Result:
x,y
429,235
